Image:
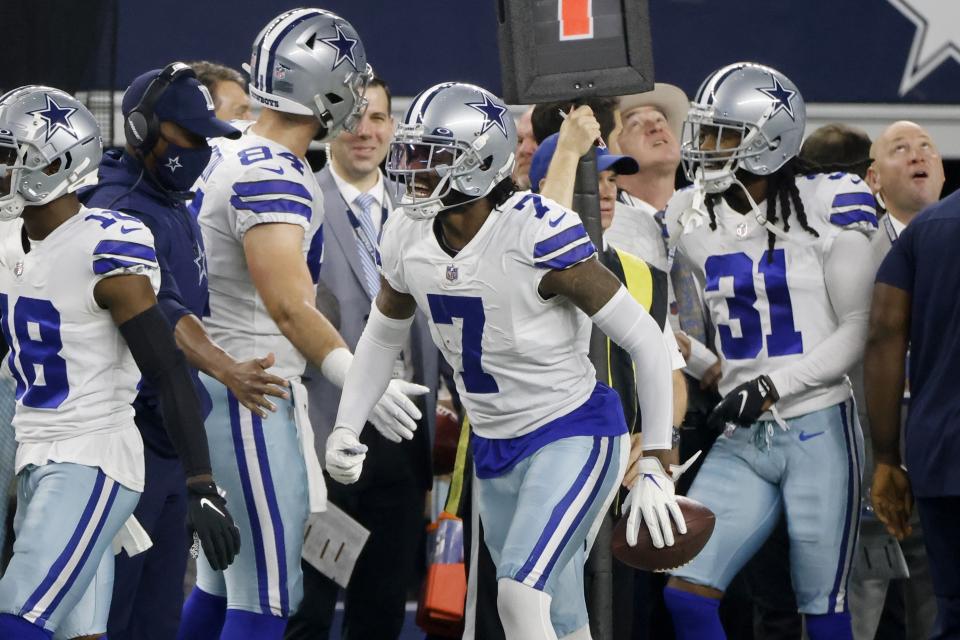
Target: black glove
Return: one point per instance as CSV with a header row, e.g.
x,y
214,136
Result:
x,y
207,515
744,404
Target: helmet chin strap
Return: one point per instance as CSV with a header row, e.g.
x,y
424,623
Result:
x,y
697,215
761,218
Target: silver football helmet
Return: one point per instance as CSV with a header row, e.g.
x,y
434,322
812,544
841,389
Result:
x,y
745,116
49,145
311,62
455,136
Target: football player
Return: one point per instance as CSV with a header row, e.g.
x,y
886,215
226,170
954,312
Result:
x,y
783,262
79,314
510,282
261,214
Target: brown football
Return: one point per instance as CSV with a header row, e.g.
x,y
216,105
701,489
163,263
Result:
x,y
645,556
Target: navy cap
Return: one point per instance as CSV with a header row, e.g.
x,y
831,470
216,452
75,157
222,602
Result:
x,y
185,102
606,161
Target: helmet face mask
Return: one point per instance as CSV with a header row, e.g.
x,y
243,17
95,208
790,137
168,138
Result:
x,y
455,144
356,84
49,146
745,117
426,167
712,150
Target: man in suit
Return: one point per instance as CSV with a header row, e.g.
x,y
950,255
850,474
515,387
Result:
x,y
389,498
906,176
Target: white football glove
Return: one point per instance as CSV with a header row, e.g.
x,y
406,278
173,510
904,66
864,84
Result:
x,y
345,455
652,499
395,415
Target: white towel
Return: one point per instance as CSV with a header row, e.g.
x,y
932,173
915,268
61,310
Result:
x,y
132,537
316,487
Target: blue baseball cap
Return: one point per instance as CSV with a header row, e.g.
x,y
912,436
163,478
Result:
x,y
606,161
185,102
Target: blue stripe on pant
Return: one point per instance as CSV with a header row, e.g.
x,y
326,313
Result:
x,y
67,517
259,464
538,516
837,602
813,473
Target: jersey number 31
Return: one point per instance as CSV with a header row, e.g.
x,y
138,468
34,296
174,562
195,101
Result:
x,y
783,339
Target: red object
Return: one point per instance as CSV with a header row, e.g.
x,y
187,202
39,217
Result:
x,y
445,441
443,597
645,556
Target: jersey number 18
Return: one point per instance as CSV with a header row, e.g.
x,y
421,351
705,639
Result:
x,y
40,372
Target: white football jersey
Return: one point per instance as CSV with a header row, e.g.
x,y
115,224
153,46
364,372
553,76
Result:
x,y
769,311
251,181
75,376
520,361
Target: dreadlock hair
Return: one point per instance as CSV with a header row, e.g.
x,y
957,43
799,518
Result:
x,y
782,194
501,192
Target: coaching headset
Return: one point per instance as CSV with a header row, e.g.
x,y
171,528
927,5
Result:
x,y
141,126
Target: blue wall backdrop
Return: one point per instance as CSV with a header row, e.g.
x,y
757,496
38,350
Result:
x,y
835,50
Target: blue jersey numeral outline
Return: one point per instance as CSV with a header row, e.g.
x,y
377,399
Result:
x,y
443,309
33,354
784,339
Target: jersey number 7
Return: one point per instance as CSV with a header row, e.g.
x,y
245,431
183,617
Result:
x,y
783,339
443,309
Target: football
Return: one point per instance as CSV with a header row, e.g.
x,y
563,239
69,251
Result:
x,y
646,557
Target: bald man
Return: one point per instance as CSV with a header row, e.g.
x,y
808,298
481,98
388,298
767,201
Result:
x,y
906,176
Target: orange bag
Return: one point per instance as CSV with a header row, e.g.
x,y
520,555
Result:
x,y
443,597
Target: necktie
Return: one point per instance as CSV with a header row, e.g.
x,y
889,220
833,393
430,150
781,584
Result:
x,y
367,243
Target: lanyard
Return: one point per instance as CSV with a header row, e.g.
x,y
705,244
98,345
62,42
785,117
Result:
x,y
888,227
369,244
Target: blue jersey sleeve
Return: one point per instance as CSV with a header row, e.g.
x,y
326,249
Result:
x,y
897,268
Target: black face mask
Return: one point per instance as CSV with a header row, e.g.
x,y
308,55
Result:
x,y
178,168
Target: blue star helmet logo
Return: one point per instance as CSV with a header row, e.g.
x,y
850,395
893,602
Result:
x,y
782,96
56,118
492,115
343,45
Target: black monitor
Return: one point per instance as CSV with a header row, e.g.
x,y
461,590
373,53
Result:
x,y
564,49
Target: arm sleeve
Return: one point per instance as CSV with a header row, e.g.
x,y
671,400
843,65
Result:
x,y
262,196
848,273
625,322
371,369
389,257
150,340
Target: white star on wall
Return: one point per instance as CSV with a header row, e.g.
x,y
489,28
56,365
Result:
x,y
937,37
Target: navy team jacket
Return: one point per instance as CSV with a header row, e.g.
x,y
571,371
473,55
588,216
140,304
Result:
x,y
183,266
